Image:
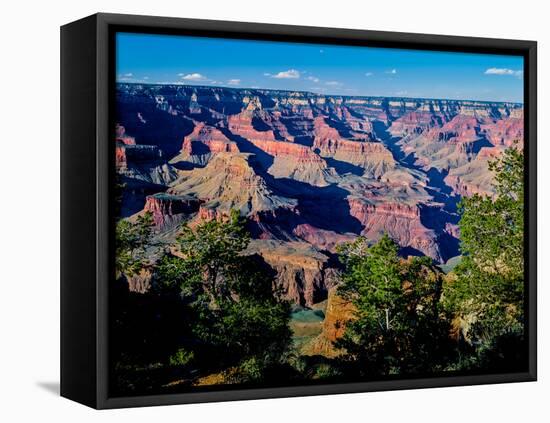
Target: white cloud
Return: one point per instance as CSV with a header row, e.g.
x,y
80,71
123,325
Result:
x,y
392,71
313,78
233,82
125,77
193,77
289,74
333,83
504,71
369,74
170,83
129,77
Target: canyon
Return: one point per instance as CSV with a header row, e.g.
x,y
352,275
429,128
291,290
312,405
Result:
x,y
308,171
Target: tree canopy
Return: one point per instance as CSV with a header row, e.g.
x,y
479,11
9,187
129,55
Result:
x,y
131,240
238,315
397,325
486,294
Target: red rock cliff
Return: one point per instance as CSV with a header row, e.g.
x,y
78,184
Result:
x,y
211,137
169,210
400,221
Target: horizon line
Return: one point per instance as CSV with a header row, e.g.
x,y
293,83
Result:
x,y
231,87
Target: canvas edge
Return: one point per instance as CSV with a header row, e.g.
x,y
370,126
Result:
x,y
78,333
531,201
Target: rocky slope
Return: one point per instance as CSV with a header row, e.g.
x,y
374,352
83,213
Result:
x,y
338,312
309,171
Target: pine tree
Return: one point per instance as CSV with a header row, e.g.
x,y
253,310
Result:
x,y
396,326
487,290
131,241
238,317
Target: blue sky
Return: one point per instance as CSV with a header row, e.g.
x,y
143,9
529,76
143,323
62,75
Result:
x,y
324,69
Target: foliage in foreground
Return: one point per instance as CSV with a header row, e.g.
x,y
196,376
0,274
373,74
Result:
x,y
131,241
227,314
486,295
398,326
407,313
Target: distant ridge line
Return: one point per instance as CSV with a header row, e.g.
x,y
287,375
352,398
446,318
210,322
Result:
x,y
313,94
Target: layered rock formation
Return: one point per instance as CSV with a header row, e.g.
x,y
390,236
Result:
x,y
474,176
229,181
304,274
297,162
241,125
283,158
122,140
205,141
372,157
402,222
309,171
169,210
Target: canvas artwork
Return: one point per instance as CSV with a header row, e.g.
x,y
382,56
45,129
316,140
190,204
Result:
x,y
293,214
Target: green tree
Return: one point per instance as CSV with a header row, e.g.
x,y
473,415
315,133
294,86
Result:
x,y
486,293
238,318
131,241
143,327
214,247
397,327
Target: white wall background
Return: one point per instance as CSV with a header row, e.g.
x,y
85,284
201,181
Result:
x,y
29,209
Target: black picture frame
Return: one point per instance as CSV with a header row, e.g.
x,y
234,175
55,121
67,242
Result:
x,y
87,78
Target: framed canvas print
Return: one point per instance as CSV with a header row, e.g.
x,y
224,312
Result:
x,y
255,211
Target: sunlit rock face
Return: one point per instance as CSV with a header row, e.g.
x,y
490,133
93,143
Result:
x,y
308,171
